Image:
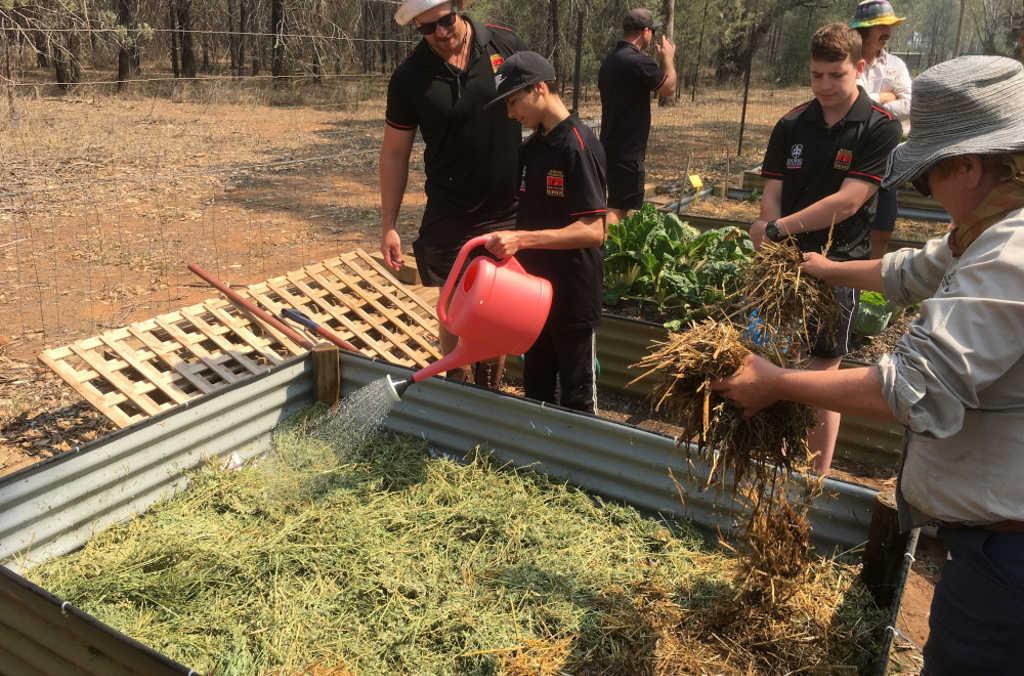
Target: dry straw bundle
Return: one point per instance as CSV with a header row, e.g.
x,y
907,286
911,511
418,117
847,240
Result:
x,y
747,448
787,302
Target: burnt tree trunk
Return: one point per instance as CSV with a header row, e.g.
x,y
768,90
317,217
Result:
x,y
66,64
124,52
243,27
42,46
277,29
188,55
172,19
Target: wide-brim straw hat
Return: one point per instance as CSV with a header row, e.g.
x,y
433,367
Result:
x,y
411,9
875,13
972,105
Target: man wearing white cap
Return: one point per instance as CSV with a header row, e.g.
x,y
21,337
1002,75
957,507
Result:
x,y
471,154
956,380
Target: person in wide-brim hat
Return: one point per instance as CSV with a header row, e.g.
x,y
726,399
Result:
x,y
875,13
973,105
955,380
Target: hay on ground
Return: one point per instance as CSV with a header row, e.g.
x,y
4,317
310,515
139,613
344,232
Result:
x,y
392,562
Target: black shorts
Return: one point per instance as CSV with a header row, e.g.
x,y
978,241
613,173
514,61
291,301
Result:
x,y
435,259
626,184
839,343
885,211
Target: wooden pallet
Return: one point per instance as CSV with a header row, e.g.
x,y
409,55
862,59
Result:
x,y
138,371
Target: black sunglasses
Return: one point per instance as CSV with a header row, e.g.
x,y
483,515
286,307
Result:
x,y
446,21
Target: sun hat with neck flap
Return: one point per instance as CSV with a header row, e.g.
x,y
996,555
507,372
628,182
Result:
x,y
971,105
410,9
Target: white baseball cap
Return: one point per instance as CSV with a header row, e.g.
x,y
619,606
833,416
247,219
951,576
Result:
x,y
411,9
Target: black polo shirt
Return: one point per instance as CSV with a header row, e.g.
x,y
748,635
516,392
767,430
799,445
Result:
x,y
471,155
626,79
563,180
813,160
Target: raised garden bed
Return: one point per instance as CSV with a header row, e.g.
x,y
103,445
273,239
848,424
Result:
x,y
56,507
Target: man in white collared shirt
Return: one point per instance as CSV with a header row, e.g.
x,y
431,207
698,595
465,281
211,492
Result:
x,y
887,81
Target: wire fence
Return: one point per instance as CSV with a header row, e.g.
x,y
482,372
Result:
x,y
106,198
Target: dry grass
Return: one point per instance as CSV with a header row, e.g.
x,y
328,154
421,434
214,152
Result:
x,y
737,450
395,563
788,304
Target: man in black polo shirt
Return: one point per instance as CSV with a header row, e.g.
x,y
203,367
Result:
x,y
626,79
560,230
471,154
824,164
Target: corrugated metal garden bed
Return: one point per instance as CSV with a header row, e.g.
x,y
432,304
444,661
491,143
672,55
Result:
x,y
57,507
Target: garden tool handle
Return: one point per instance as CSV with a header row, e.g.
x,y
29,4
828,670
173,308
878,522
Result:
x,y
300,318
446,291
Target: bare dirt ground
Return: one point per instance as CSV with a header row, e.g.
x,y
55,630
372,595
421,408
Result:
x,y
104,201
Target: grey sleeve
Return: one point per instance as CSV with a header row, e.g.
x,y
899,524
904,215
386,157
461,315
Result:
x,y
911,275
966,338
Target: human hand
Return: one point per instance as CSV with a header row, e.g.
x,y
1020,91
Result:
x,y
752,388
666,49
819,266
886,97
757,233
391,249
504,243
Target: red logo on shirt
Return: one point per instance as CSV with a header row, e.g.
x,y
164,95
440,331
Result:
x,y
844,160
556,184
496,61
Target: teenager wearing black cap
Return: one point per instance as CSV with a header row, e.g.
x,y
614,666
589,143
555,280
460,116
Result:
x,y
470,157
627,78
560,230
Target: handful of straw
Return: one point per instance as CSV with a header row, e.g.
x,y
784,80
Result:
x,y
786,301
688,363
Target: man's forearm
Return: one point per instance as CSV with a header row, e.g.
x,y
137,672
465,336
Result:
x,y
577,235
394,175
821,215
848,391
669,86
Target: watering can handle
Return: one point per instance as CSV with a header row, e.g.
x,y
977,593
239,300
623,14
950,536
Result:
x,y
442,300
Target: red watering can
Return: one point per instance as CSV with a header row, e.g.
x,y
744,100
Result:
x,y
497,308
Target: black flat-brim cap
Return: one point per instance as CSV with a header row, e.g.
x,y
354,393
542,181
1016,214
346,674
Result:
x,y
639,19
519,71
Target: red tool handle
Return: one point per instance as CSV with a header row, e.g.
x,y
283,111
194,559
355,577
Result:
x,y
259,313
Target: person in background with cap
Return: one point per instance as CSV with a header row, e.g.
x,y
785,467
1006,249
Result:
x,y
822,169
560,230
626,80
887,81
956,379
471,154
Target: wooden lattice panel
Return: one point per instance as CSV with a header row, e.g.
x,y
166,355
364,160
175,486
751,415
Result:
x,y
131,373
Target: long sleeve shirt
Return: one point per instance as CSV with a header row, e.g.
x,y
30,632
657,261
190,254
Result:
x,y
888,73
956,380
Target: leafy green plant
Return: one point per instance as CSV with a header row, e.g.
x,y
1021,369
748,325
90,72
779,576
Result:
x,y
683,273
